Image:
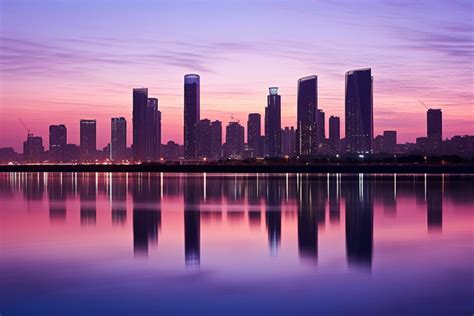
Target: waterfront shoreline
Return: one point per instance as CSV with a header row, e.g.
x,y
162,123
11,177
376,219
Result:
x,y
243,168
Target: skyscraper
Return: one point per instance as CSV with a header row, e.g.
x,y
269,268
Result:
x,y
33,149
140,101
307,104
320,128
359,111
288,139
152,130
204,138
273,123
334,133
389,142
253,134
216,139
434,130
191,114
88,139
234,140
57,142
118,138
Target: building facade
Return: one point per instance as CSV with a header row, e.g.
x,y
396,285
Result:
x,y
359,111
118,138
140,101
88,139
307,105
57,142
273,124
192,108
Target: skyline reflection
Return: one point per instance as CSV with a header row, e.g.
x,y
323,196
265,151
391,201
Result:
x,y
309,202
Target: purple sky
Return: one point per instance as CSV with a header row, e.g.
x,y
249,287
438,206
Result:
x,y
66,60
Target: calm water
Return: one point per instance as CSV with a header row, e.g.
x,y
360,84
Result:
x,y
293,244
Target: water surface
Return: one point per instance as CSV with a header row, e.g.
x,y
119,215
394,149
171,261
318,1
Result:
x,y
287,244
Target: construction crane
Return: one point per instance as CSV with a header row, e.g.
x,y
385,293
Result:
x,y
26,127
424,104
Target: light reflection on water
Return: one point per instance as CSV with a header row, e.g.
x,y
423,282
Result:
x,y
94,243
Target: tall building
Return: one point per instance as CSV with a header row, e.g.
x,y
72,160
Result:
x,y
140,101
288,139
204,138
334,133
118,138
273,123
57,142
192,110
152,130
307,105
389,142
88,139
33,149
434,130
234,140
320,128
254,132
359,111
216,139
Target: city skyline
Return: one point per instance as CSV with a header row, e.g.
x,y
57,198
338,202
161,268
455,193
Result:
x,y
53,75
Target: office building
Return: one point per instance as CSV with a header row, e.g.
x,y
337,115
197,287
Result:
x,y
216,139
334,133
140,101
389,142
273,123
33,149
88,136
359,111
434,130
234,141
118,138
204,138
288,141
307,105
57,142
254,132
191,115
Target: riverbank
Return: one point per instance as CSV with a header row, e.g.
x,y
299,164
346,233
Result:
x,y
246,168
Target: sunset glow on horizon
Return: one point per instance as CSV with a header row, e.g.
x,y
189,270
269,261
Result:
x,y
62,61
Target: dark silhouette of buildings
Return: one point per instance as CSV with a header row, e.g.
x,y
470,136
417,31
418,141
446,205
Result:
x,y
57,142
307,105
359,111
234,141
216,139
192,108
288,138
389,142
192,221
88,131
434,202
118,138
140,101
33,149
434,130
171,150
359,220
307,221
254,132
204,138
152,130
320,130
334,133
273,123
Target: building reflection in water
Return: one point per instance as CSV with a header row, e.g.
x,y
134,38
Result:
x,y
145,189
205,196
118,197
334,198
434,202
273,211
359,220
307,221
57,195
193,188
87,184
